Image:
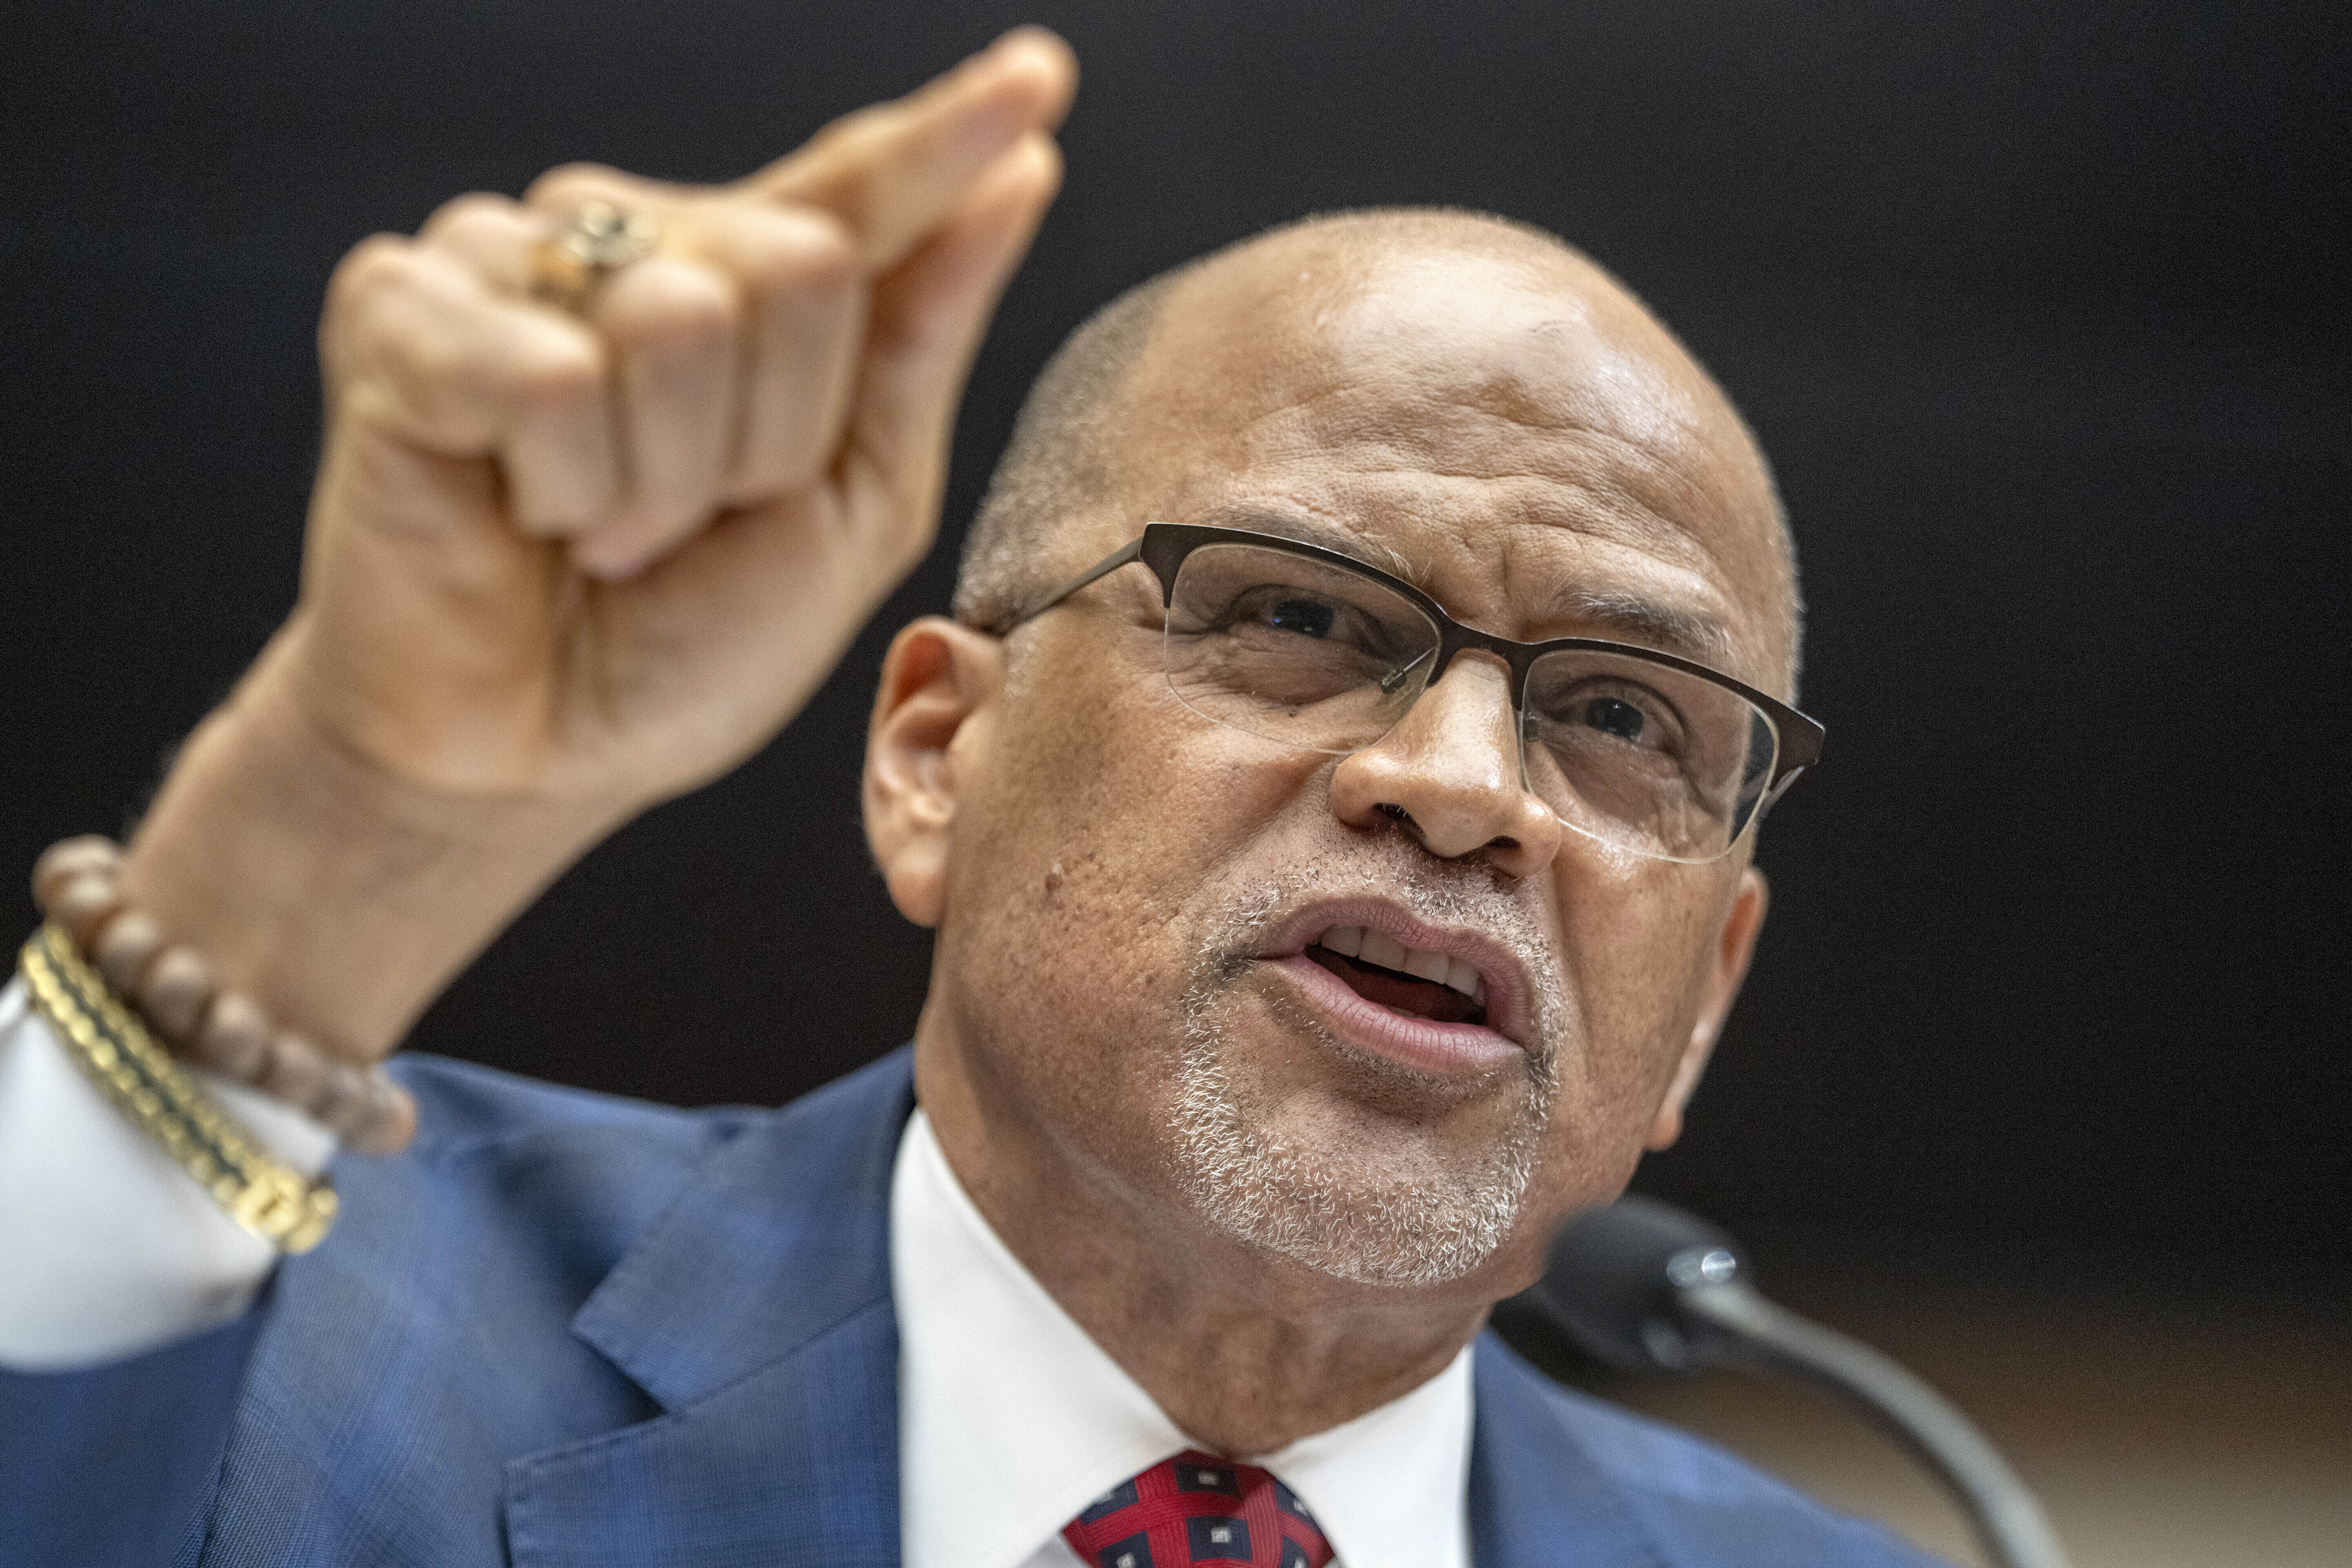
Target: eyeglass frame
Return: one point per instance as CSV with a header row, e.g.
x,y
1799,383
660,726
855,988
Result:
x,y
1165,546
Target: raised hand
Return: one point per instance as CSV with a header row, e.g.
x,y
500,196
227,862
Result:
x,y
609,554
562,564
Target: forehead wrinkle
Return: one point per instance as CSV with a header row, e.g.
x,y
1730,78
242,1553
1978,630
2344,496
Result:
x,y
1584,453
1472,508
1335,536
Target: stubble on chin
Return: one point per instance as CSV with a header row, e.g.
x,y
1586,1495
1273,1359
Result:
x,y
1339,1212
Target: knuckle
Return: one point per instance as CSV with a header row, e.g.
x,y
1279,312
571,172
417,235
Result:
x,y
472,209
439,388
558,373
568,185
367,300
671,307
804,251
380,262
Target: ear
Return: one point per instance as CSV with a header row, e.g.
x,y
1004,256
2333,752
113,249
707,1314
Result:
x,y
1728,966
940,684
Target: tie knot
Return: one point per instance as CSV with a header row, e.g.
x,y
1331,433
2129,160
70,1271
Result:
x,y
1196,1508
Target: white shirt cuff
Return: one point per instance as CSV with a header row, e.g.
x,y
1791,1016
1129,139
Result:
x,y
110,1248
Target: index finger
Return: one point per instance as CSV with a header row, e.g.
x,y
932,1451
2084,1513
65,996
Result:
x,y
893,173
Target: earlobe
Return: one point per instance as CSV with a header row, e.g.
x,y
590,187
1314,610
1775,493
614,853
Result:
x,y
937,678
1735,945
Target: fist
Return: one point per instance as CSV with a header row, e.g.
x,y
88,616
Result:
x,y
598,553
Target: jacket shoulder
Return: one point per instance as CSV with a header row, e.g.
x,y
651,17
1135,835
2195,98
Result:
x,y
462,1106
1690,1503
511,1180
430,1340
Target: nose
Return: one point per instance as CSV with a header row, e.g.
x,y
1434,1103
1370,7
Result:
x,y
1450,770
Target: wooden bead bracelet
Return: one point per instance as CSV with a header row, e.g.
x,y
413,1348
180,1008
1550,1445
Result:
x,y
78,883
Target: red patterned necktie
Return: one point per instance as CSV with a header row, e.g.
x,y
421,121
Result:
x,y
1197,1509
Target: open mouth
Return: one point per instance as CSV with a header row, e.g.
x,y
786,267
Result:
x,y
1417,983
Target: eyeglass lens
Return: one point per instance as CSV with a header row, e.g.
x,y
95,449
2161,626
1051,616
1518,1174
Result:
x,y
1632,753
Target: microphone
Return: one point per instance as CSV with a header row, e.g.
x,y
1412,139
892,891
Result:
x,y
1647,1287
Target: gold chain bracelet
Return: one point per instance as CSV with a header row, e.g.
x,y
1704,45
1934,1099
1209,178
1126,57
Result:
x,y
115,1051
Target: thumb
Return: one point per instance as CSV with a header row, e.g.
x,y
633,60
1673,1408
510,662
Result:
x,y
930,314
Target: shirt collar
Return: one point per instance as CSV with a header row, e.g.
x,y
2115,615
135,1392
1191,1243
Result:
x,y
1010,1419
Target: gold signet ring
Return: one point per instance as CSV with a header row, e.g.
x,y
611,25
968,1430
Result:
x,y
599,240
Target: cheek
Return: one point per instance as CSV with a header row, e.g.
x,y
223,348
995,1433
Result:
x,y
1637,940
1104,820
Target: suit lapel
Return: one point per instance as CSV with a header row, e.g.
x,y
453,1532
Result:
x,y
756,1312
1536,1499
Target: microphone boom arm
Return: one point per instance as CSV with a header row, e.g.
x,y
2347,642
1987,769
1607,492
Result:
x,y
1646,1288
2006,1518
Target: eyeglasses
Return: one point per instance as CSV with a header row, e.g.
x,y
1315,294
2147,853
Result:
x,y
1317,650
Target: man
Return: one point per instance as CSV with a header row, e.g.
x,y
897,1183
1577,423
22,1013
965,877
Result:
x,y
1304,955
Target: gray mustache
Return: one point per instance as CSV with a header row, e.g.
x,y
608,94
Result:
x,y
1441,893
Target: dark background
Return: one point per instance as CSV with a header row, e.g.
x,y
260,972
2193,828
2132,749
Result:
x,y
2038,309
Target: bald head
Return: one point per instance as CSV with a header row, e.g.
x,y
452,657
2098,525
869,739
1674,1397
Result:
x,y
1497,321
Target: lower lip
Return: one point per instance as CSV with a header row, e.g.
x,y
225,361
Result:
x,y
1446,1050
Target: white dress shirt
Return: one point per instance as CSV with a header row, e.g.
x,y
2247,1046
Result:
x,y
108,1247
1010,1419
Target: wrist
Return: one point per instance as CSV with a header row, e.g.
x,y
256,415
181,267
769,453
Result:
x,y
339,897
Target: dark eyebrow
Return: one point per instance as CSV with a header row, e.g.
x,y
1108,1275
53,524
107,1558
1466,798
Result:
x,y
1630,618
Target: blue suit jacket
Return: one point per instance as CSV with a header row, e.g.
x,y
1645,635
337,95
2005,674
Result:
x,y
572,1330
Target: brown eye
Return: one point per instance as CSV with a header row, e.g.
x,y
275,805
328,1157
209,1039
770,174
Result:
x,y
1612,716
1305,617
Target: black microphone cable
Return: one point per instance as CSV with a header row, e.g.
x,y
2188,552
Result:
x,y
1647,1287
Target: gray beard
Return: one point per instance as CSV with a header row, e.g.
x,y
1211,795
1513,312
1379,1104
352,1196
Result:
x,y
1335,1215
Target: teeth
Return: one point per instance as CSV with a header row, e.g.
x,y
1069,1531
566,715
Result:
x,y
1423,965
1382,949
1463,976
1379,947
